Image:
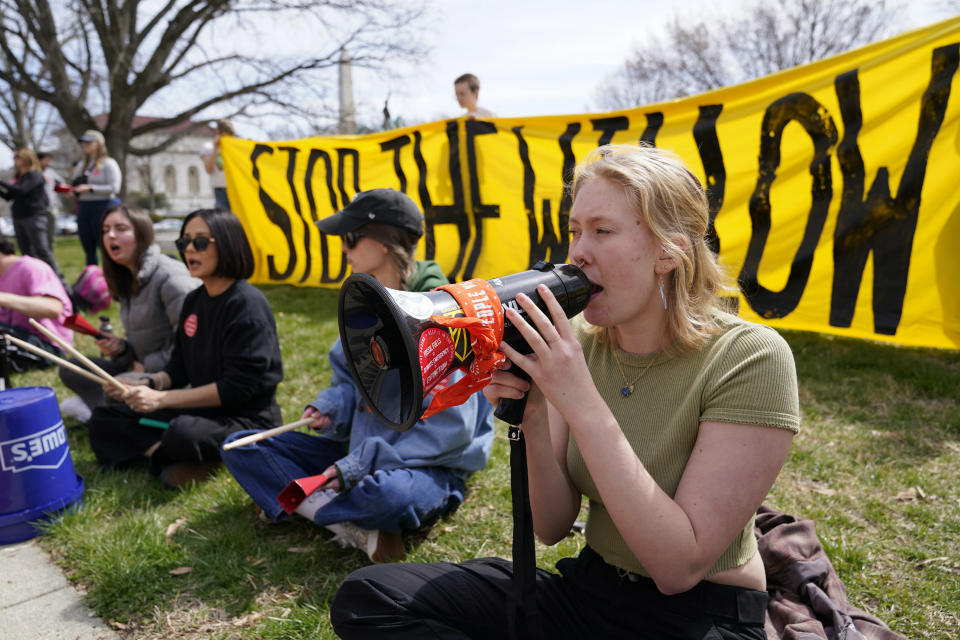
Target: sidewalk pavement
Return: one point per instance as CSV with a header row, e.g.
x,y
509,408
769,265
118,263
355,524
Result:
x,y
36,601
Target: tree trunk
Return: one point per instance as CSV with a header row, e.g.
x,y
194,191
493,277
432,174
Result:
x,y
117,134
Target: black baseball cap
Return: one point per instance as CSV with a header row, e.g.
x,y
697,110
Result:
x,y
386,206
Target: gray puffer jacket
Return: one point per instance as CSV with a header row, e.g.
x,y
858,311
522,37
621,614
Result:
x,y
150,317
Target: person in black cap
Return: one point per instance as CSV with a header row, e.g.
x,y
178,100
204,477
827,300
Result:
x,y
393,224
381,481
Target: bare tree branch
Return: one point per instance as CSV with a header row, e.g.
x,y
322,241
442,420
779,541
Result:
x,y
769,35
82,56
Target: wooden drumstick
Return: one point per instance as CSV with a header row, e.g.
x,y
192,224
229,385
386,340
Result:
x,y
269,433
53,358
76,354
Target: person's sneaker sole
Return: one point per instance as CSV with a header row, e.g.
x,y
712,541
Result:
x,y
184,474
389,548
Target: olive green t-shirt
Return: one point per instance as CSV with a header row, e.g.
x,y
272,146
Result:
x,y
744,375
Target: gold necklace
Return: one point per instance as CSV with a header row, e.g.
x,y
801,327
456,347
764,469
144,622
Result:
x,y
628,386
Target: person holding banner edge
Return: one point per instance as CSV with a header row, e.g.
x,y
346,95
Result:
x,y
381,482
672,417
466,89
213,162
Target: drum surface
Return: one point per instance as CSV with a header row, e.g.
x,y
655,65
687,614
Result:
x,y
37,478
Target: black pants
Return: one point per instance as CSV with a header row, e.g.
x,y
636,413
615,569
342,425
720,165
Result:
x,y
118,439
89,214
33,240
589,600
52,229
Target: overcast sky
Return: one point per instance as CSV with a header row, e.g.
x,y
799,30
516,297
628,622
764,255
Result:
x,y
539,57
533,57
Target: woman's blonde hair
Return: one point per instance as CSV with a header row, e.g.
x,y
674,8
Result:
x,y
30,158
224,126
671,201
97,157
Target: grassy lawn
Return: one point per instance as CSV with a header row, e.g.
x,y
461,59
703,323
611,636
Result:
x,y
875,466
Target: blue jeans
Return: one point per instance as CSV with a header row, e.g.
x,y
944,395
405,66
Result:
x,y
389,500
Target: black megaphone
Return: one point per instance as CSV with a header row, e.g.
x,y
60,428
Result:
x,y
397,354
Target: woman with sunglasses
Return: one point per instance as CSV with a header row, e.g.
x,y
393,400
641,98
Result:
x,y
381,482
223,372
150,288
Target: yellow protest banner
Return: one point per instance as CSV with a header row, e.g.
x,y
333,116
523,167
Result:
x,y
833,189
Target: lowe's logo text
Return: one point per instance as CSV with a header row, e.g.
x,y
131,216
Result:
x,y
45,449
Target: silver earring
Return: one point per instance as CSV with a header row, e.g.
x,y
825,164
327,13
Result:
x,y
663,296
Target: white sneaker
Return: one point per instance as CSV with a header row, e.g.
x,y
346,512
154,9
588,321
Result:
x,y
380,546
75,407
314,502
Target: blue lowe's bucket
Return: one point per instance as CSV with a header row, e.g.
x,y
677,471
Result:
x,y
36,471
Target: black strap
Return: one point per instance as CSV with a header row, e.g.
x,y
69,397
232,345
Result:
x,y
4,363
523,615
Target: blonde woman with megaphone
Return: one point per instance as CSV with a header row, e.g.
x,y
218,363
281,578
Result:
x,y
672,417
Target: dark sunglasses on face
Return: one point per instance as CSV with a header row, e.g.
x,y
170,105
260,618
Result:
x,y
351,238
200,243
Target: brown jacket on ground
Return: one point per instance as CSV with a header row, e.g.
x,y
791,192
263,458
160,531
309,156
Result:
x,y
807,599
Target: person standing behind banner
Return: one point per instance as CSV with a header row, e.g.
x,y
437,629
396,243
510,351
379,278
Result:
x,y
382,482
671,416
467,90
96,180
50,180
213,163
222,375
150,288
29,208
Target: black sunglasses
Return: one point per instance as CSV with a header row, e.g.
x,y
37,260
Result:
x,y
200,243
351,238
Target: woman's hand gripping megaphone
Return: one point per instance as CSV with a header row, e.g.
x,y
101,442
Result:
x,y
548,365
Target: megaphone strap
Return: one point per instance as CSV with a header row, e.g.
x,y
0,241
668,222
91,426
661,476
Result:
x,y
483,320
